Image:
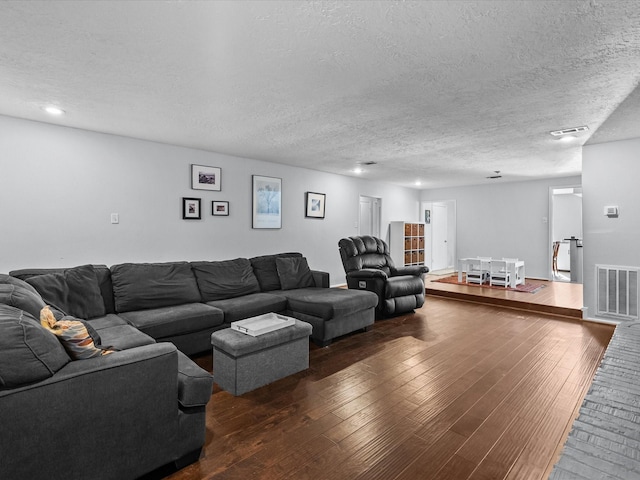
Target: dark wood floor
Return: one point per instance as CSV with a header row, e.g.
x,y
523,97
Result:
x,y
457,390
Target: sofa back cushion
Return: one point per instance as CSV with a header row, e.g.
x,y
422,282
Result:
x,y
294,272
225,279
75,292
102,273
17,293
28,353
141,286
266,271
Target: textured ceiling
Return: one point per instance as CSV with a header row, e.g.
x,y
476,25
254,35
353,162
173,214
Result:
x,y
441,91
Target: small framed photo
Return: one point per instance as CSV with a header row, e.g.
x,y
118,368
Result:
x,y
206,178
191,208
315,205
219,208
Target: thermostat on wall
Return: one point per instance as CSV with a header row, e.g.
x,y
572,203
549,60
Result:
x,y
611,211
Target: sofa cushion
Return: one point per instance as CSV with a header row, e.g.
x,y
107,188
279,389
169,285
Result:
x,y
176,320
226,279
109,320
250,306
294,272
28,353
140,286
329,303
102,273
22,297
194,384
266,271
75,292
124,337
79,339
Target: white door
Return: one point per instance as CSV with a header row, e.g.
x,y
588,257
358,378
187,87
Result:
x,y
369,223
439,247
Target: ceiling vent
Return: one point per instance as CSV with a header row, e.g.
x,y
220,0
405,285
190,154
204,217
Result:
x,y
569,131
497,175
369,163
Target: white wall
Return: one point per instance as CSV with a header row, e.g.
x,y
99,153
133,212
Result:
x,y
58,187
504,220
610,177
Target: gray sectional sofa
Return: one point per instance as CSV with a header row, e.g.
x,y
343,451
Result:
x,y
184,302
127,413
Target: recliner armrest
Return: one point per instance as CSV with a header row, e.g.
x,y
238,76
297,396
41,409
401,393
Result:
x,y
367,273
415,270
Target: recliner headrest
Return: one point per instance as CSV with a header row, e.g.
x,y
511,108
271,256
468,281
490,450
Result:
x,y
353,246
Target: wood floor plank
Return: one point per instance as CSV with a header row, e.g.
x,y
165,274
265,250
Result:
x,y
456,391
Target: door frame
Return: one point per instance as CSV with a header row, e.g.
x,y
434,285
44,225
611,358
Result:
x,y
550,226
451,230
376,215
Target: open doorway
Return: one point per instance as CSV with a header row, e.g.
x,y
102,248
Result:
x,y
566,234
369,221
440,235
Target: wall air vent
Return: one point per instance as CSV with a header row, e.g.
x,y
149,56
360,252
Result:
x,y
497,175
617,291
569,131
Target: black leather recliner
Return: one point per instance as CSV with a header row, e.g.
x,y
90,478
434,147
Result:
x,y
369,266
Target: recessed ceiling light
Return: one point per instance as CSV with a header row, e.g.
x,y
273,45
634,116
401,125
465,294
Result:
x,y
51,110
418,182
569,131
357,170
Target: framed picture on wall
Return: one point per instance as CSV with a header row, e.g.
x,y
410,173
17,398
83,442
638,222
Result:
x,y
315,205
206,178
267,202
191,208
219,208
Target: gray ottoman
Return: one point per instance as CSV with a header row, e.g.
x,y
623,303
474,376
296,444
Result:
x,y
242,363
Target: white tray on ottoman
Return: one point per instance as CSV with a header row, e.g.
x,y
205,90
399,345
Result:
x,y
242,363
262,324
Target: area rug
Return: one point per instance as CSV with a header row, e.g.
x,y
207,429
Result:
x,y
526,287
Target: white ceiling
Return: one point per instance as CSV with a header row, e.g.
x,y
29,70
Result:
x,y
441,91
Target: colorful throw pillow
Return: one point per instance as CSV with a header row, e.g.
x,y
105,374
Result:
x,y
294,272
74,335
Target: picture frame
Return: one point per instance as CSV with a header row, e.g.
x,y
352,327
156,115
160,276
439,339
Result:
x,y
315,205
191,209
220,208
206,178
427,217
266,202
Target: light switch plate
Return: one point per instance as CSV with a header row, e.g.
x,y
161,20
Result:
x,y
115,218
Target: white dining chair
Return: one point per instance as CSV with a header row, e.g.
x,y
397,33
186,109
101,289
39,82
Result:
x,y
478,270
499,273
